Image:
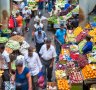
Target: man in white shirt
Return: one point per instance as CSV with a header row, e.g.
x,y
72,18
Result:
x,y
6,66
48,54
39,39
27,16
38,24
34,65
40,17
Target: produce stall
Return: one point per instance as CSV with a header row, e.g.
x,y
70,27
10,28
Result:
x,y
33,7
78,71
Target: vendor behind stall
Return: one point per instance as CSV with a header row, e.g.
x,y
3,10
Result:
x,y
88,46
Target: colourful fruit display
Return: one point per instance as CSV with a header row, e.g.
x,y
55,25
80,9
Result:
x,y
75,77
65,52
89,71
77,31
60,74
63,84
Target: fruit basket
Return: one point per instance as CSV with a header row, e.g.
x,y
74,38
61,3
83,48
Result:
x,y
17,38
51,86
14,45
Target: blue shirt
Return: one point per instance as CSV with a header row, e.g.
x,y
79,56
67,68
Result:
x,y
60,34
66,6
22,79
88,47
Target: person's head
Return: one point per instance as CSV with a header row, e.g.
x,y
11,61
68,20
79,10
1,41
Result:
x,y
17,14
30,51
48,42
2,48
39,31
19,62
38,22
26,7
88,38
61,26
69,2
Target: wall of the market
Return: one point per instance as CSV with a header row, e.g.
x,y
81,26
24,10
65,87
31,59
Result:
x,y
86,6
4,5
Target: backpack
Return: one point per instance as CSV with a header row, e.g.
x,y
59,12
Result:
x,y
11,23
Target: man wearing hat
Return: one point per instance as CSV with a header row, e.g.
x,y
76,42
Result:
x,y
39,39
48,54
60,37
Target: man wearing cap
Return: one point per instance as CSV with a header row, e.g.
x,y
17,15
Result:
x,y
60,37
39,39
48,54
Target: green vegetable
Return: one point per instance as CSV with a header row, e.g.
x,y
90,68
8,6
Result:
x,y
3,39
13,44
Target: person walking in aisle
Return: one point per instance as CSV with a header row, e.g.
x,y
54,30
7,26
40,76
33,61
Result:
x,y
39,39
48,54
35,66
60,38
23,77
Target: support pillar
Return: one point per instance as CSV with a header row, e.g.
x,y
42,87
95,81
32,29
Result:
x,y
4,12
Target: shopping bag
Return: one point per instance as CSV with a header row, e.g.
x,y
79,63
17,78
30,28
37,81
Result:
x,y
11,23
41,79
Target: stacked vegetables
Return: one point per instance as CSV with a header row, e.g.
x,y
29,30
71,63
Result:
x,y
3,39
14,45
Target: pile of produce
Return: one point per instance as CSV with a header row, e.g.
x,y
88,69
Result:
x,y
1,72
75,77
77,31
89,71
74,48
14,45
53,20
17,38
6,31
82,36
60,74
65,52
60,66
63,84
3,39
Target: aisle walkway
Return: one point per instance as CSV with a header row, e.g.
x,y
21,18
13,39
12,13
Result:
x,y
49,34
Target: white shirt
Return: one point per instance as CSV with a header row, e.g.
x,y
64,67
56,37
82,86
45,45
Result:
x,y
37,26
6,59
26,13
40,38
34,64
22,5
24,48
41,19
47,54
